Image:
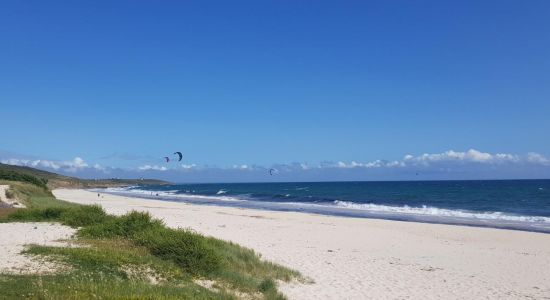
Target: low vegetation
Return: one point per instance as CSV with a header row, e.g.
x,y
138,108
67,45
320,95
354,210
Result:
x,y
16,176
135,256
53,180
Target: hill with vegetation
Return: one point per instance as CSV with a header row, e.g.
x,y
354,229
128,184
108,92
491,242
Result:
x,y
53,180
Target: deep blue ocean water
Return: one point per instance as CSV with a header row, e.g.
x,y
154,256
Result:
x,y
514,204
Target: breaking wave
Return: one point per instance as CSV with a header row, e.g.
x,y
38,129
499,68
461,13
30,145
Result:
x,y
169,195
464,210
440,212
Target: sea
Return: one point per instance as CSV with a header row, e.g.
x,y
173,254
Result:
x,y
509,204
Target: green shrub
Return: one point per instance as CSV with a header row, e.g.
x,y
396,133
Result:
x,y
188,250
267,285
122,227
73,216
32,214
9,194
16,176
84,215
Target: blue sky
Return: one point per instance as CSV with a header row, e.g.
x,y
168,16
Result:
x,y
273,83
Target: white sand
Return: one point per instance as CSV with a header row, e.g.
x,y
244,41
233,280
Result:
x,y
15,236
350,258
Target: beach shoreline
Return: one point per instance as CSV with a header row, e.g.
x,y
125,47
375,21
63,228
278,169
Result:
x,y
360,258
406,213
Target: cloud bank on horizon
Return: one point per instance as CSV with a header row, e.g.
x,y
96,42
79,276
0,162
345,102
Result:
x,y
470,164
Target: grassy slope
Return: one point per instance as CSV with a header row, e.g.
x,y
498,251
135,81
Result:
x,y
135,257
56,180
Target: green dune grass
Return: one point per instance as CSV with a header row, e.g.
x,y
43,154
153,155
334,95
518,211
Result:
x,y
135,256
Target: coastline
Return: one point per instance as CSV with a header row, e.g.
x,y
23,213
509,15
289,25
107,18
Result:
x,y
365,258
424,214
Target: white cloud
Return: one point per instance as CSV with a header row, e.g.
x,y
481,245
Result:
x,y
471,155
447,157
78,163
152,167
395,163
447,160
536,158
451,155
15,161
75,165
241,167
99,167
69,166
46,164
507,157
368,165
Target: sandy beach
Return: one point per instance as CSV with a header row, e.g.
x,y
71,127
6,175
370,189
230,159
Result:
x,y
352,258
15,237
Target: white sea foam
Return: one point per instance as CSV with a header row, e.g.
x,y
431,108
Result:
x,y
440,212
338,204
172,194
